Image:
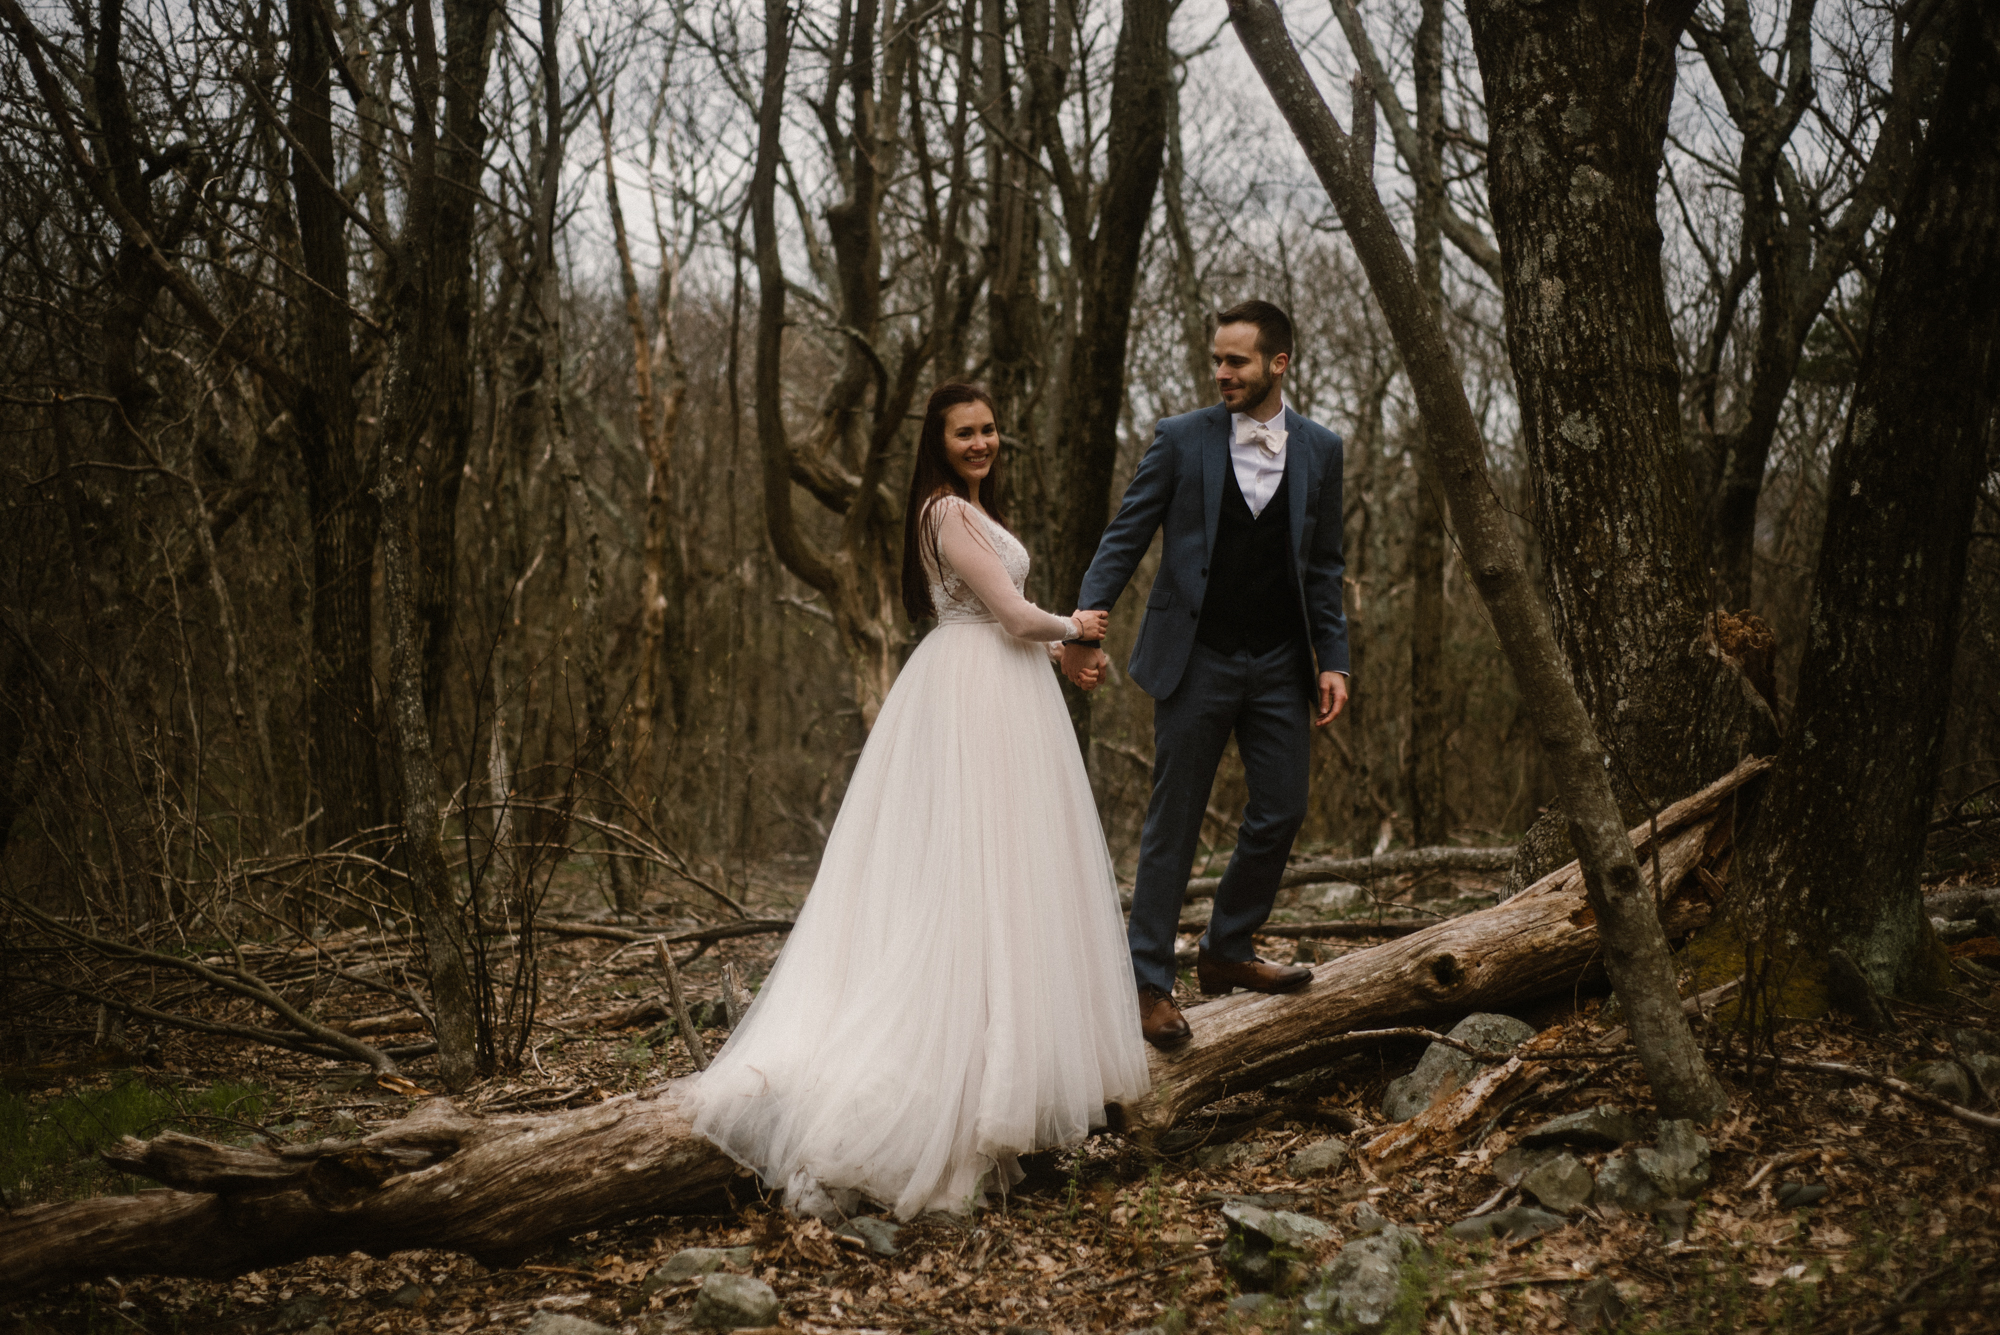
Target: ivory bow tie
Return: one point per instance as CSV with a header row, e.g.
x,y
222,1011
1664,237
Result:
x,y
1262,436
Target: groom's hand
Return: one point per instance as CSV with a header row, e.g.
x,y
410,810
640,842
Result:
x,y
1332,697
1084,665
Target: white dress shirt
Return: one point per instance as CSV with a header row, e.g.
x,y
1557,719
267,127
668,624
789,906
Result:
x,y
1257,472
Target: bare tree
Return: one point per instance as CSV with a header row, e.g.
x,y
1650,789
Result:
x,y
1841,831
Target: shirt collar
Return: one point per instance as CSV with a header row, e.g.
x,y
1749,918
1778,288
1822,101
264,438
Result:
x,y
1277,421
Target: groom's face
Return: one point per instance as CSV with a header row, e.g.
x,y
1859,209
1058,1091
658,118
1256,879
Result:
x,y
1248,380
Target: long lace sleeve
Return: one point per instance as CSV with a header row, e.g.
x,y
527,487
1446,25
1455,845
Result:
x,y
966,549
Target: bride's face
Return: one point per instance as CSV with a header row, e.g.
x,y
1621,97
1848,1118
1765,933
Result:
x,y
971,442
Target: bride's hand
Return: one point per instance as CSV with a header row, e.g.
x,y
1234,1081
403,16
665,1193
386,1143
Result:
x,y
1090,625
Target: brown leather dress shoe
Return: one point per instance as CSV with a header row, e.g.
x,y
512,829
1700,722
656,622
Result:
x,y
1160,1020
1254,975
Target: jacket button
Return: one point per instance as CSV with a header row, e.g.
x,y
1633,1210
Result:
x,y
1204,572
1194,615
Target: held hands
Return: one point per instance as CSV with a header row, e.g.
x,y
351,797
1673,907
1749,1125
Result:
x,y
1332,697
1084,666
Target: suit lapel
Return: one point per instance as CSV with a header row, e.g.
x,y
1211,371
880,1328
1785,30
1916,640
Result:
x,y
1295,475
1214,458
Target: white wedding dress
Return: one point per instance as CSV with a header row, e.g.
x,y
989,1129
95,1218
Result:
x,y
957,990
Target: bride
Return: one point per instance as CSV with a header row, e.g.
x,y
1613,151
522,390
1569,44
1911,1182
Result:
x,y
957,990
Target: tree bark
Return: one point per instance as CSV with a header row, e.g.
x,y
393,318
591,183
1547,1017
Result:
x,y
497,1188
416,309
1577,102
1841,831
1430,822
1635,950
345,762
1107,260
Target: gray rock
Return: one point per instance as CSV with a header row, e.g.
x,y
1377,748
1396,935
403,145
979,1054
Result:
x,y
1518,1162
1947,1080
1519,1221
1281,1227
1263,1246
1257,1308
1360,1289
1985,1069
1367,1220
1677,1162
1441,1066
408,1296
690,1262
1623,1185
1792,1195
1561,1183
1597,1306
1344,897
1227,1156
879,1234
1601,1128
1968,1041
562,1323
1320,1157
1673,1219
1951,931
730,1302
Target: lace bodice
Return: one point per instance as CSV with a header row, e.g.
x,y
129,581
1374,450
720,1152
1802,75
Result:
x,y
980,575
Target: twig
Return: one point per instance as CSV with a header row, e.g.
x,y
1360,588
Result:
x,y
1183,1259
688,1035
1888,1082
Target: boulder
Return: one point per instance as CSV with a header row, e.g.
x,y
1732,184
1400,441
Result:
x,y
1946,1079
1560,1182
1601,1128
1596,1306
562,1323
1985,1070
1623,1185
1518,1222
732,1302
1262,1247
692,1262
1215,1157
1518,1162
1442,1067
1320,1158
1678,1161
1360,1290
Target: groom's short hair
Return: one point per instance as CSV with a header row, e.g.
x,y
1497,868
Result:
x,y
1274,327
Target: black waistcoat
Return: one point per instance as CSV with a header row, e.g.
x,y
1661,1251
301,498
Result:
x,y
1252,600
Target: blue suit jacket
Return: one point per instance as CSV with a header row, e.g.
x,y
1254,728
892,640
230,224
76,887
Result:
x,y
1178,489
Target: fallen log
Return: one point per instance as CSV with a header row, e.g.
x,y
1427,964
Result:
x,y
1320,871
1540,942
497,1188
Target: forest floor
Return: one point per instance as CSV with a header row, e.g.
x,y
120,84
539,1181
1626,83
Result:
x,y
1114,1235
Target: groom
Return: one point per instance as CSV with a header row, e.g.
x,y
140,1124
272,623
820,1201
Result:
x,y
1243,634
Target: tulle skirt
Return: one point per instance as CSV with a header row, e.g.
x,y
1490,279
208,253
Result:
x,y
957,990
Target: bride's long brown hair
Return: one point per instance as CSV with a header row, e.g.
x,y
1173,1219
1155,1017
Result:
x,y
933,477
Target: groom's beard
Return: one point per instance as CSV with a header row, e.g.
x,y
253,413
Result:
x,y
1254,391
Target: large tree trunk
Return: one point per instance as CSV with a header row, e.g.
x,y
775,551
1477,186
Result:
x,y
1635,950
1430,823
340,703
1842,829
1107,263
499,1188
1577,100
